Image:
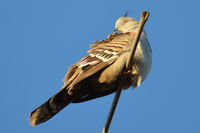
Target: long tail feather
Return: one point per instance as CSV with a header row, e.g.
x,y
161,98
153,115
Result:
x,y
50,108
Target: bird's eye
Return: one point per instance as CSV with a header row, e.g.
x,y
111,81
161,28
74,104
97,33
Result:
x,y
125,21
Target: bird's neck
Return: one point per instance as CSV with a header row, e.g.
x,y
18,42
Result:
x,y
131,27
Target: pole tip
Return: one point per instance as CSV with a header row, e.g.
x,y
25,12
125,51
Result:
x,y
145,14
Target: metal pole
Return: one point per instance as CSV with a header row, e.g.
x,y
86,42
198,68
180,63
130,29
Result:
x,y
143,19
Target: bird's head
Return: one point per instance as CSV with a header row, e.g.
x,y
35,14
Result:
x,y
126,24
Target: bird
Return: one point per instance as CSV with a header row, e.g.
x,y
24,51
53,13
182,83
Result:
x,y
99,73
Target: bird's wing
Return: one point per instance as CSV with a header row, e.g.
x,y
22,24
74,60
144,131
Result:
x,y
102,54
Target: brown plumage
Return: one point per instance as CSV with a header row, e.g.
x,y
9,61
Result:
x,y
96,75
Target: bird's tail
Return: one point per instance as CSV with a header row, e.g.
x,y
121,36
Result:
x,y
50,107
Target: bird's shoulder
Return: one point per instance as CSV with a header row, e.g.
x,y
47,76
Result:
x,y
111,47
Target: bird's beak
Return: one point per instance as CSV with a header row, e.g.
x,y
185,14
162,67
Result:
x,y
115,29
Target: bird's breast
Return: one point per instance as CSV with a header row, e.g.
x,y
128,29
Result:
x,y
143,57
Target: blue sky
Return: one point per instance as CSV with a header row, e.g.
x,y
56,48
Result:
x,y
40,39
